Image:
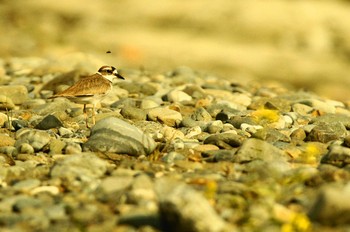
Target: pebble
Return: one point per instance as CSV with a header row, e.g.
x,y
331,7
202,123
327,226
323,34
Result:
x,y
337,155
225,140
80,172
178,96
326,132
331,206
256,149
183,209
35,138
6,140
6,103
130,112
49,122
114,135
17,93
165,116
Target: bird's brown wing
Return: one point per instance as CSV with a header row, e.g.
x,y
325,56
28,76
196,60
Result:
x,y
91,85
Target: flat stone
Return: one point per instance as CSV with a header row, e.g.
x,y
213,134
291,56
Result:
x,y
332,118
166,116
225,140
17,93
130,112
256,149
115,135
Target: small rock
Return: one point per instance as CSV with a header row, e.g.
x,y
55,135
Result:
x,y
215,127
56,146
17,93
6,103
332,206
50,121
225,140
172,156
201,115
114,135
178,96
256,149
36,138
80,172
25,148
183,209
337,155
72,148
26,185
130,112
166,116
6,140
325,132
19,124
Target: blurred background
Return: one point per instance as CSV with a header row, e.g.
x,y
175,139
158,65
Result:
x,y
303,44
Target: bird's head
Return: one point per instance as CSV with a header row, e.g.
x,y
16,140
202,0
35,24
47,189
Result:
x,y
110,72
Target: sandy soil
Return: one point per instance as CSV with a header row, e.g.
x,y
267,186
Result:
x,y
302,43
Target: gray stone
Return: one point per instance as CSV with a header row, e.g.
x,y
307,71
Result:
x,y
36,138
166,116
17,93
215,127
337,155
172,156
50,121
201,115
324,132
133,113
225,140
114,135
333,118
332,206
184,209
270,135
256,149
80,172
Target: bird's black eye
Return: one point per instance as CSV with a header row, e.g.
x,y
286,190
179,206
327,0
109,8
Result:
x,y
109,71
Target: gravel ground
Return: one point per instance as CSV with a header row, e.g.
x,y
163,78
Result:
x,y
174,151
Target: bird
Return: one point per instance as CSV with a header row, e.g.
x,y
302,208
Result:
x,y
91,89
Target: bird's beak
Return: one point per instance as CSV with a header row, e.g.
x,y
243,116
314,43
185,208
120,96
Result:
x,y
119,76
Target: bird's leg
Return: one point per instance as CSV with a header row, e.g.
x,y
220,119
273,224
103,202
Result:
x,y
93,114
86,116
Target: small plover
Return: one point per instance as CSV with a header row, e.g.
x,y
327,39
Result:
x,y
91,89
